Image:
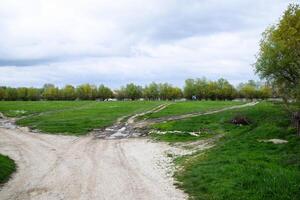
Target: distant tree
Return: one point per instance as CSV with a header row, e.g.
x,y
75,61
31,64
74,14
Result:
x,y
151,91
11,94
50,92
33,94
68,93
133,91
265,92
176,93
104,92
2,93
225,90
279,58
84,91
168,92
212,90
120,93
22,93
189,89
248,90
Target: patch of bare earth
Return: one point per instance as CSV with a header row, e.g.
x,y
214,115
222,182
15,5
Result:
x,y
66,167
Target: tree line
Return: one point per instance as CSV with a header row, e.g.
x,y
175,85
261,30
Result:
x,y
194,89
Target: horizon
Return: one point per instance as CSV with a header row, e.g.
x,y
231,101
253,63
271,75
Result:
x,y
103,42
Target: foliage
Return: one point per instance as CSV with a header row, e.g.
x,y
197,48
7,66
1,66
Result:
x,y
104,92
279,58
7,167
199,88
205,89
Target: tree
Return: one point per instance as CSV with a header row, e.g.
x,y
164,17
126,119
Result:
x,y
33,94
11,94
265,92
202,88
22,93
151,91
279,58
68,93
50,92
120,94
189,89
104,93
2,93
84,92
248,91
133,91
225,89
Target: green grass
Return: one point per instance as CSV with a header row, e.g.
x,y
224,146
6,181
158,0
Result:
x,y
179,108
240,166
73,118
7,167
23,108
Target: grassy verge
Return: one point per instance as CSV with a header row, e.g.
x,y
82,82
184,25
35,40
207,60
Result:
x,y
7,167
241,166
73,118
179,108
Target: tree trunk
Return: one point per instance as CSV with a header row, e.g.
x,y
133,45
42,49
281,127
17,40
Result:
x,y
296,120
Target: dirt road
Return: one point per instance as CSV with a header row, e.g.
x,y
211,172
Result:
x,y
65,167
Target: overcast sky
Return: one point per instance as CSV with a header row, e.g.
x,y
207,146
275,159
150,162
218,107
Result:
x,y
120,41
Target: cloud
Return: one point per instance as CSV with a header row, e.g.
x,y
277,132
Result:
x,y
102,41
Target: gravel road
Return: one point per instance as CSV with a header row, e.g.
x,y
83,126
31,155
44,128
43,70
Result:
x,y
65,167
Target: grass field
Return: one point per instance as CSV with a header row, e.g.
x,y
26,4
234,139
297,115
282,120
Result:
x,y
7,167
23,108
179,108
241,166
73,117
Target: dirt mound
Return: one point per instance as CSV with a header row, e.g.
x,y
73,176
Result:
x,y
240,120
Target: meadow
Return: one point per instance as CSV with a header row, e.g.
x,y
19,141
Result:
x,y
71,117
240,165
80,117
185,107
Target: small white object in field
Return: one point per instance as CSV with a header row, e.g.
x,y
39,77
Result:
x,y
275,141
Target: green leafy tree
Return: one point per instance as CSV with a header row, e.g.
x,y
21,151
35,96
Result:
x,y
84,91
33,94
202,88
189,88
68,92
133,91
11,94
151,91
50,92
2,93
104,93
225,90
22,93
279,58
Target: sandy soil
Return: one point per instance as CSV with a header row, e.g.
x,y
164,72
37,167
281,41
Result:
x,y
65,167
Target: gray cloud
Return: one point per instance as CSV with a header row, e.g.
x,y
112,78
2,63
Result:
x,y
66,41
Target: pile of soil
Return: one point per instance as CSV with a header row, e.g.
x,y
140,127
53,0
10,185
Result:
x,y
240,120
